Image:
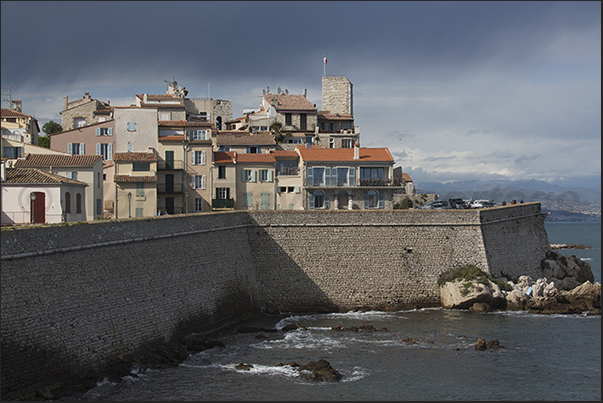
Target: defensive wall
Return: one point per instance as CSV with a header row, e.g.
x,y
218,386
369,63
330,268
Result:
x,y
75,296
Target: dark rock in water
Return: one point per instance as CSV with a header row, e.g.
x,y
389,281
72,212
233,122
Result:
x,y
480,307
410,340
244,367
481,344
494,344
367,328
292,326
320,370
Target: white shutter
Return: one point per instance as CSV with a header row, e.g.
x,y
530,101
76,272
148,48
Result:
x,y
81,148
203,157
110,131
98,148
270,175
327,176
98,133
110,151
203,134
253,175
310,176
70,148
193,182
203,181
193,159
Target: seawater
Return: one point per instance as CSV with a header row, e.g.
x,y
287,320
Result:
x,y
425,354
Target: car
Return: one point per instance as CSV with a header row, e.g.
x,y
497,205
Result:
x,y
458,203
482,203
436,205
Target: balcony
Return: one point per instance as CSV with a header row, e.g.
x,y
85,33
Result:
x,y
170,165
218,204
287,171
170,188
381,182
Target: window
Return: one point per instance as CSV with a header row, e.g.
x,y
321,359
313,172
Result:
x,y
282,189
79,122
199,181
303,125
106,150
130,146
371,173
198,204
78,203
72,175
331,143
101,119
224,148
222,193
141,166
373,199
139,212
67,202
75,148
11,120
254,150
99,207
288,119
315,176
247,199
98,180
247,175
131,126
199,158
197,134
342,176
139,189
317,199
265,175
221,172
164,116
12,152
104,131
346,143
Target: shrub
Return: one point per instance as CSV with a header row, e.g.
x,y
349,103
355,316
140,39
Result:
x,y
471,273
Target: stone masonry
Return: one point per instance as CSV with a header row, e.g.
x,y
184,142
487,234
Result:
x,y
75,296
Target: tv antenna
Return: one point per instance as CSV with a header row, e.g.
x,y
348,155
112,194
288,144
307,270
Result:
x,y
6,92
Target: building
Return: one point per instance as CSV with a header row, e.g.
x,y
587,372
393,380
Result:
x,y
87,169
255,181
223,180
19,126
84,111
347,178
135,184
244,142
33,196
288,181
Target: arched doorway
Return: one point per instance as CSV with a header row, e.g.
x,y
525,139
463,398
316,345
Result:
x,y
38,207
342,200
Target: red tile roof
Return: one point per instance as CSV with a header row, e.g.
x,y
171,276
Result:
x,y
224,157
49,160
151,157
129,178
10,113
284,154
286,102
172,138
335,116
245,139
345,154
248,157
34,176
406,177
181,123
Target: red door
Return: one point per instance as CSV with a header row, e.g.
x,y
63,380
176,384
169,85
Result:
x,y
38,208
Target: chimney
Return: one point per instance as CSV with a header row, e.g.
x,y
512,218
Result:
x,y
145,97
65,102
356,151
87,95
305,92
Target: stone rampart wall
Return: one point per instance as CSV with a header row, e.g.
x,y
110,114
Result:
x,y
74,296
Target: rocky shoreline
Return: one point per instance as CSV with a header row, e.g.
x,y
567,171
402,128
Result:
x,y
569,246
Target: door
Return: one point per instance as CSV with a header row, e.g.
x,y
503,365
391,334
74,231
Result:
x,y
169,160
169,183
265,201
38,208
342,200
169,205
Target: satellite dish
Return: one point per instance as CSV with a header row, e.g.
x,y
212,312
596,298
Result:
x,y
286,91
263,92
278,90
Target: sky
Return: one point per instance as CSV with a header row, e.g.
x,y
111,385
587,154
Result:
x,y
456,90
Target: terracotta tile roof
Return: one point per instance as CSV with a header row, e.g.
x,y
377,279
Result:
x,y
75,129
182,123
9,113
48,160
335,116
224,157
34,176
284,154
346,154
289,102
245,139
406,177
263,158
159,98
172,138
129,178
151,157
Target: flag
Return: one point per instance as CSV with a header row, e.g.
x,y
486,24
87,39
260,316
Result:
x,y
325,59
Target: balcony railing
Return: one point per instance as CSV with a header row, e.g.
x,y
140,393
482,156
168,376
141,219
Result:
x,y
169,165
287,171
381,182
222,203
173,188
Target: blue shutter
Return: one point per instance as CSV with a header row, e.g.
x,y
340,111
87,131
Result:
x,y
328,176
242,175
366,200
381,200
311,200
253,175
352,176
309,176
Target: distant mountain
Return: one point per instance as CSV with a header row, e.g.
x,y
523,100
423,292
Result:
x,y
566,216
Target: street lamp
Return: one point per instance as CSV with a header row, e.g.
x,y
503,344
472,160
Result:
x,y
32,197
129,204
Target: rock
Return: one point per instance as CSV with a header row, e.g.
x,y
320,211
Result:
x,y
480,344
460,294
320,370
244,367
556,265
480,307
367,328
494,344
292,326
516,300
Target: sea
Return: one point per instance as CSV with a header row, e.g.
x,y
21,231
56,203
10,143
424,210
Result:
x,y
422,354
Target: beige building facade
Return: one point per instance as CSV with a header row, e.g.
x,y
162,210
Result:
x,y
135,184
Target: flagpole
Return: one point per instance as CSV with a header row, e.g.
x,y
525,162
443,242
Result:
x,y
324,64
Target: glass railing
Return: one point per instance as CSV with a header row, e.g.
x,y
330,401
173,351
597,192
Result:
x,y
222,203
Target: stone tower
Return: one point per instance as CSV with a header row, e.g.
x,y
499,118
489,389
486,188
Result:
x,y
337,96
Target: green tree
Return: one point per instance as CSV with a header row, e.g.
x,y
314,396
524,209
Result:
x,y
275,130
44,141
52,127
